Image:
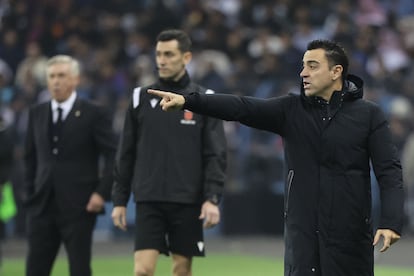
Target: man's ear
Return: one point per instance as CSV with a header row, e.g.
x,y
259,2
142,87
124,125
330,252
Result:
x,y
337,71
76,80
187,57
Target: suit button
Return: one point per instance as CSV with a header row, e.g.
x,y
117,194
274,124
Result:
x,y
55,151
55,138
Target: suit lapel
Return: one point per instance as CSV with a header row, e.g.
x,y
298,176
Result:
x,y
45,115
72,118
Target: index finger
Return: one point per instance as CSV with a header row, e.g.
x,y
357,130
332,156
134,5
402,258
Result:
x,y
157,92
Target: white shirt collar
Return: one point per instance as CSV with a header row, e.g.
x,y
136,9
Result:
x,y
66,106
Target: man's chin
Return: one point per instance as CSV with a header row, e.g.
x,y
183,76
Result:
x,y
168,78
308,93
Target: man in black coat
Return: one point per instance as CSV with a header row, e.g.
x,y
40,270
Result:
x,y
330,136
68,140
174,165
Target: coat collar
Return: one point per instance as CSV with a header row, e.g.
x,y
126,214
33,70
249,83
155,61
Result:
x,y
352,89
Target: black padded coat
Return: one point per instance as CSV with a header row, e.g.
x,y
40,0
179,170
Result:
x,y
328,150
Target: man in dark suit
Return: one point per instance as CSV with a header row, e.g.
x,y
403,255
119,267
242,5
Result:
x,y
66,181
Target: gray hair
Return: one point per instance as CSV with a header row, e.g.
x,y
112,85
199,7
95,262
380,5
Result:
x,y
75,66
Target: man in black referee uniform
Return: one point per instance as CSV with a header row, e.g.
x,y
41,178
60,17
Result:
x,y
174,165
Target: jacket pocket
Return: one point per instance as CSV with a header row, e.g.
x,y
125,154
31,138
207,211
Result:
x,y
350,214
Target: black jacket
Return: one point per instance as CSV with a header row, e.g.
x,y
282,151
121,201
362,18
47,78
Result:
x,y
328,149
73,172
176,157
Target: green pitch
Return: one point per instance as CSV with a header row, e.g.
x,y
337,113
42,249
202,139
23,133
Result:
x,y
214,264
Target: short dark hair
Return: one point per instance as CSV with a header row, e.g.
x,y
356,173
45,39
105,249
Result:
x,y
335,53
184,41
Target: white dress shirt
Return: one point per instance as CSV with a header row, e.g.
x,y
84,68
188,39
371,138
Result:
x,y
66,107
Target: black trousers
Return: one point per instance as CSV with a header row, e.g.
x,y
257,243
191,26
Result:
x,y
48,230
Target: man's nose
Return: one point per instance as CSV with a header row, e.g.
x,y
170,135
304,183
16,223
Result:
x,y
303,72
161,60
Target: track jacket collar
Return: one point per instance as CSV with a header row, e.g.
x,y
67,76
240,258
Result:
x,y
181,83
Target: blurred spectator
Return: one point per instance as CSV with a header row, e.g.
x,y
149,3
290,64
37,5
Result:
x,y
6,161
30,73
370,12
210,68
400,120
6,90
265,42
6,138
11,49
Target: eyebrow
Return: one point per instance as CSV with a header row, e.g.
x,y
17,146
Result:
x,y
311,62
164,52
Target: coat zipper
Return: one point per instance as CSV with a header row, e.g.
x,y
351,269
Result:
x,y
291,173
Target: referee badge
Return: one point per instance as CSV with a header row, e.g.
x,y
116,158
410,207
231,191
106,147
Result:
x,y
188,118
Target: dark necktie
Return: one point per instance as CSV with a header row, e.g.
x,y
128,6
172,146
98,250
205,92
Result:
x,y
56,130
59,121
60,110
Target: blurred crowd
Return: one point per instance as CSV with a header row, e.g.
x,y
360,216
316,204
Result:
x,y
246,47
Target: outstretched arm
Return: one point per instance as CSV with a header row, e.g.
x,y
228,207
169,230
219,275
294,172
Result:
x,y
266,114
170,101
